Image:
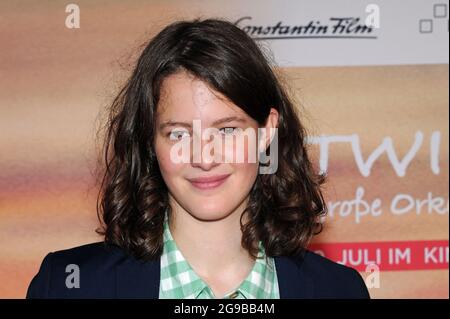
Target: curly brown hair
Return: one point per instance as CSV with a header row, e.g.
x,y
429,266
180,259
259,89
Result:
x,y
284,208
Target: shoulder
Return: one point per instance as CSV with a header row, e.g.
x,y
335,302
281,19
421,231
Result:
x,y
331,279
94,263
93,252
91,255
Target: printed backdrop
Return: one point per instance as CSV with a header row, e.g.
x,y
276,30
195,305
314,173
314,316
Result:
x,y
371,80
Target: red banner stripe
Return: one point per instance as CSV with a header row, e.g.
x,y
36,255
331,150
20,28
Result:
x,y
387,255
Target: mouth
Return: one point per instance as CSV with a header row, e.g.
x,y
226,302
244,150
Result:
x,y
209,182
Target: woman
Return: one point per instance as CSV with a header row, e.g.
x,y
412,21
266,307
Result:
x,y
179,222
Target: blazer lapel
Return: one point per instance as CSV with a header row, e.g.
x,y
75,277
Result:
x,y
293,283
138,280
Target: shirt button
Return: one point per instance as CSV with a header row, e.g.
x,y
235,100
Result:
x,y
234,295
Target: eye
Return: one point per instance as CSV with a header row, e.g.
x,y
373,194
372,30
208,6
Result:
x,y
229,130
178,134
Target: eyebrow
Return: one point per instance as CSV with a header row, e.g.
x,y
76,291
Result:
x,y
223,120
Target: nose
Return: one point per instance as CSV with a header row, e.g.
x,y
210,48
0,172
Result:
x,y
204,155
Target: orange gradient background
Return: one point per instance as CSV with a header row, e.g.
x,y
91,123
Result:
x,y
55,82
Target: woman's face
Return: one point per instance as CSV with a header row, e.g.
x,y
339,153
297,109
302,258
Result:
x,y
215,178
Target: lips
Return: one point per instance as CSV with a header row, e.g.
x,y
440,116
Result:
x,y
208,182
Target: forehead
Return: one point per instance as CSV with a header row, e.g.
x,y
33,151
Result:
x,y
183,96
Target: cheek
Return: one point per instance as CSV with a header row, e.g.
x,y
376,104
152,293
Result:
x,y
244,155
169,169
245,174
241,150
248,170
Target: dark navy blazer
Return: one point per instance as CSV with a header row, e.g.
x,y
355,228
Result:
x,y
106,271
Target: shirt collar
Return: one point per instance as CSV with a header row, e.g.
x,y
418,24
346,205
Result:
x,y
178,279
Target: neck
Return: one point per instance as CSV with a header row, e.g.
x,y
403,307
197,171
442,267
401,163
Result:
x,y
212,248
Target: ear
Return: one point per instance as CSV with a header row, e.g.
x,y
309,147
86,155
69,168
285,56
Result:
x,y
269,130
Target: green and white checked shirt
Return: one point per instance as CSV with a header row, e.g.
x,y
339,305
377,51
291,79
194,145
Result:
x,y
179,281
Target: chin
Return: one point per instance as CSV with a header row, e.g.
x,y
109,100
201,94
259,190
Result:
x,y
210,210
